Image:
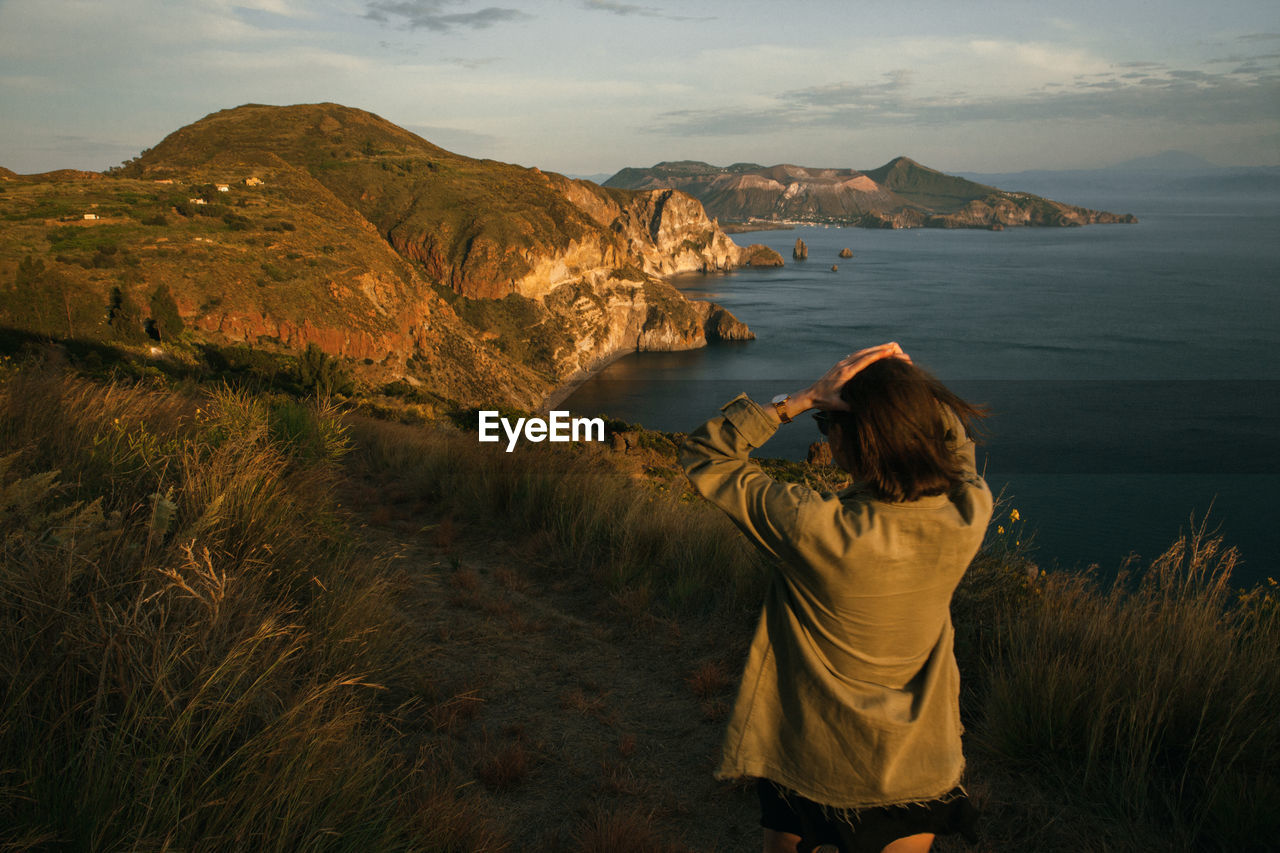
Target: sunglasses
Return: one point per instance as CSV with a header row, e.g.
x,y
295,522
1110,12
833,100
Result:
x,y
824,420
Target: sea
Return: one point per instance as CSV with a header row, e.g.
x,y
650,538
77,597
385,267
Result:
x,y
1132,372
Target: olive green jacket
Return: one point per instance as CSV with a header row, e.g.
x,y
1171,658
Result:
x,y
851,692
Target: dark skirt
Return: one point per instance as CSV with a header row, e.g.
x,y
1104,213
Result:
x,y
866,830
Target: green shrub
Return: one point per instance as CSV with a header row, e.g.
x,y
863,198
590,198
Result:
x,y
237,222
322,374
124,316
166,323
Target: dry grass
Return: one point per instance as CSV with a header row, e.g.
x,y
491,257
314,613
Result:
x,y
621,831
454,714
207,660
642,542
204,657
1150,700
506,764
709,679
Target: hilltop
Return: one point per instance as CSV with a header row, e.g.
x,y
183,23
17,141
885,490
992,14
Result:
x,y
280,228
900,194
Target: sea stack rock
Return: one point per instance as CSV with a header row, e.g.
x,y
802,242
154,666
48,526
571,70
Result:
x,y
846,252
820,454
835,268
758,255
719,325
801,251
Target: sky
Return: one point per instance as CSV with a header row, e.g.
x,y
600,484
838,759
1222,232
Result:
x,y
587,87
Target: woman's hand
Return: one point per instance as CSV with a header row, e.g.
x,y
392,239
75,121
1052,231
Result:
x,y
825,393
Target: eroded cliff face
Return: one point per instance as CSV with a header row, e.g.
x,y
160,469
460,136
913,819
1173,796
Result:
x,y
589,260
604,288
599,293
387,332
616,302
671,232
604,317
662,232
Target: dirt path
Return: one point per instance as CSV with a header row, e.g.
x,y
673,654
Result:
x,y
582,722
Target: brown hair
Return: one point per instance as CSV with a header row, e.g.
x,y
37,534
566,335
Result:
x,y
894,436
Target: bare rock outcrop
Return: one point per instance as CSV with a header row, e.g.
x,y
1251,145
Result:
x,y
671,232
820,454
719,325
801,251
760,255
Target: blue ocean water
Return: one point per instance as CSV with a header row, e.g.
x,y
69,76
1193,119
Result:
x,y
1132,371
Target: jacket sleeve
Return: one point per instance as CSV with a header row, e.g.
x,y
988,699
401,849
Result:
x,y
716,458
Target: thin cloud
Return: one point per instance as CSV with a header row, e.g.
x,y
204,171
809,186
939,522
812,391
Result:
x,y
265,19
469,64
629,9
433,15
620,8
850,94
1239,58
415,50
1185,96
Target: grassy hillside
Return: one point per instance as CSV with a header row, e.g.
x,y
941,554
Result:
x,y
471,223
928,188
212,653
273,267
274,246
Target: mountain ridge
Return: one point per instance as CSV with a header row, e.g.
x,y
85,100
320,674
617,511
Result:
x,y
902,193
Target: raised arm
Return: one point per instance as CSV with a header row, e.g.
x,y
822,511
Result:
x,y
716,456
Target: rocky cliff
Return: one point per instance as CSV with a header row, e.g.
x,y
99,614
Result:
x,y
899,194
286,226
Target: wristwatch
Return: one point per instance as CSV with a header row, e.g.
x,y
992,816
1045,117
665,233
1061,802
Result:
x,y
780,406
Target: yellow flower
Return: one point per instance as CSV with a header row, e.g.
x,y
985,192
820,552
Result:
x,y
999,529
1013,516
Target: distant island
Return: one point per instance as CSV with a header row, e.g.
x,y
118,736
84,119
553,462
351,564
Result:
x,y
900,194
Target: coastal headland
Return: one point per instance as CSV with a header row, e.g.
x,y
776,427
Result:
x,y
900,194
282,228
